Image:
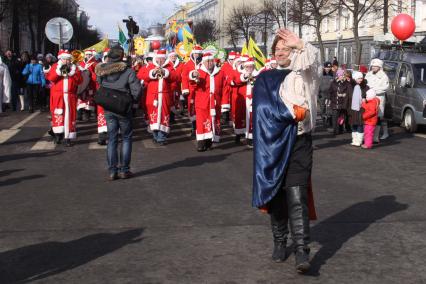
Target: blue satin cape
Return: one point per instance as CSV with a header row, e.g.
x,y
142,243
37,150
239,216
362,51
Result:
x,y
274,135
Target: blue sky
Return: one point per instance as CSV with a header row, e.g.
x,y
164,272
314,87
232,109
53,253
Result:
x,y
106,14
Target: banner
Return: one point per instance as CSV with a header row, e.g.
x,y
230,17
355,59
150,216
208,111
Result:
x,y
256,53
100,46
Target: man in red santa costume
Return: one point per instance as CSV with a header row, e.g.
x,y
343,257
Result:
x,y
158,78
188,86
85,102
65,77
176,87
228,70
238,102
245,90
208,97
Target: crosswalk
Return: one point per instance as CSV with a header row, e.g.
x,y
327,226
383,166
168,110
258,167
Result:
x,y
87,136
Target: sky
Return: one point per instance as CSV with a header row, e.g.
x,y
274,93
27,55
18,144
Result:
x,y
107,13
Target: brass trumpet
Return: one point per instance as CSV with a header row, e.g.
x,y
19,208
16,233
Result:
x,y
159,73
77,56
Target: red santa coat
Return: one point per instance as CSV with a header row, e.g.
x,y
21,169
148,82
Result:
x,y
208,98
228,71
177,85
238,103
63,100
188,86
86,99
141,73
245,90
159,96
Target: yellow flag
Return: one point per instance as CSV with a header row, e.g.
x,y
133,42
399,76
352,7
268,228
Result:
x,y
256,53
100,46
244,50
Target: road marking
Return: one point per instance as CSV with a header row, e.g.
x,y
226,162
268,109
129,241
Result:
x,y
420,135
6,134
44,144
20,124
94,145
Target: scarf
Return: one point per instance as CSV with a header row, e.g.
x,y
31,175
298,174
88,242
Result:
x,y
356,98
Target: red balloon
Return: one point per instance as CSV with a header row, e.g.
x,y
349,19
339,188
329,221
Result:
x,y
403,26
155,44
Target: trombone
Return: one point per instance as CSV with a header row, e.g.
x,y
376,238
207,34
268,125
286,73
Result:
x,y
77,56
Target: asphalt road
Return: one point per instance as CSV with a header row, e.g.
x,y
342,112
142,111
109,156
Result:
x,y
186,217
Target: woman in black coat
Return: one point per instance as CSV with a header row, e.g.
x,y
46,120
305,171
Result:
x,y
339,91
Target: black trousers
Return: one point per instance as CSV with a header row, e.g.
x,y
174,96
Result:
x,y
33,95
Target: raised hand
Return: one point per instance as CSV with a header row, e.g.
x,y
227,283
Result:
x,y
291,40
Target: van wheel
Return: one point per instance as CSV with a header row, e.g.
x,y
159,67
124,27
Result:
x,y
409,123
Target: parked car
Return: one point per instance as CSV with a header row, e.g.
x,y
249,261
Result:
x,y
407,92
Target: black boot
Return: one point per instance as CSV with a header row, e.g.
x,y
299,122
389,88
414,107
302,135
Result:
x,y
250,143
58,138
102,138
80,115
194,127
209,144
68,143
280,233
297,200
238,139
201,146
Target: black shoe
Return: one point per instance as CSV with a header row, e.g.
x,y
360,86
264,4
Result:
x,y
30,110
250,143
112,177
162,143
209,144
68,143
302,260
237,139
125,175
102,139
279,253
51,133
201,146
57,139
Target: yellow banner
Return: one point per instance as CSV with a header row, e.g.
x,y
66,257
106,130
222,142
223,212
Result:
x,y
100,46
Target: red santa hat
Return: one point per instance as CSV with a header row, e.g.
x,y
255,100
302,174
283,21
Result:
x,y
172,53
197,49
249,61
232,55
244,58
106,50
208,56
161,54
64,54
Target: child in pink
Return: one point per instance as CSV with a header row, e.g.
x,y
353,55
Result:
x,y
370,117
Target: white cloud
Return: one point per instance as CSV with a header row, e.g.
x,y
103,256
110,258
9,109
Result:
x,y
106,14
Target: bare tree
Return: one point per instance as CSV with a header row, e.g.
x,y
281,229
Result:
x,y
276,10
298,14
265,23
318,10
4,8
232,34
243,19
205,31
359,9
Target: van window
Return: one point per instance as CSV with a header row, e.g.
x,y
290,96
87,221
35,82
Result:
x,y
390,69
419,75
406,72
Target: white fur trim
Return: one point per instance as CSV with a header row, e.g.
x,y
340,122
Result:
x,y
166,73
243,78
72,135
58,129
204,136
158,126
151,74
185,91
225,107
58,111
102,129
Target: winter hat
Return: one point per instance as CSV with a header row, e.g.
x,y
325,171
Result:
x,y
249,62
197,49
232,55
357,75
116,54
371,94
327,64
377,62
64,54
340,73
208,56
161,54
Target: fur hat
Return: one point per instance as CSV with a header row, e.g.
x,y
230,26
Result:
x,y
377,62
357,75
371,94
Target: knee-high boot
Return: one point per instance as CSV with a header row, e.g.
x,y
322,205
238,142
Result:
x,y
385,130
297,200
280,232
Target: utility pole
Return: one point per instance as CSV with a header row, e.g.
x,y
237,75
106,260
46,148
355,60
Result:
x,y
339,33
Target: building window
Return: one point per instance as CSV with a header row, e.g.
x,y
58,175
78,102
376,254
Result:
x,y
345,55
327,55
335,51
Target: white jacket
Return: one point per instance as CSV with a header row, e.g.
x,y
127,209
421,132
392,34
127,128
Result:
x,y
379,82
301,86
5,85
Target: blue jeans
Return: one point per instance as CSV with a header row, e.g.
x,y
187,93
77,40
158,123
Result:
x,y
358,128
124,124
159,136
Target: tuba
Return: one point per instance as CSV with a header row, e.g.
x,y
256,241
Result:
x,y
77,56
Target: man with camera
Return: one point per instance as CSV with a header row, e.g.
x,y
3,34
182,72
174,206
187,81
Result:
x,y
65,77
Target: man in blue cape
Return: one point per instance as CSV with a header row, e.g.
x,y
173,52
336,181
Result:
x,y
284,108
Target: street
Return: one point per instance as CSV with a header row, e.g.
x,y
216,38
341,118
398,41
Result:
x,y
186,217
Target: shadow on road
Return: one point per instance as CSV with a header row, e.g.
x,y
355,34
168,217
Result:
x,y
358,218
13,181
186,163
14,157
39,261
